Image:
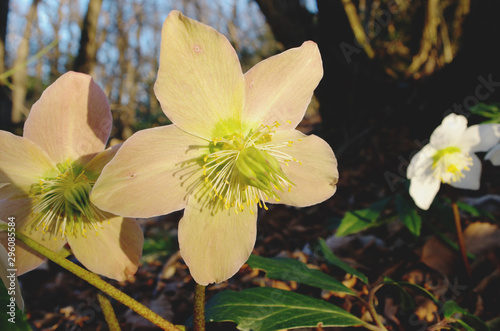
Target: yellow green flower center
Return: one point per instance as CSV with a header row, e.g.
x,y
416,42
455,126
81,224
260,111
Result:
x,y
245,170
448,164
61,204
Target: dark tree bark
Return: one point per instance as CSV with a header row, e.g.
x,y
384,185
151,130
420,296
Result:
x,y
290,21
86,59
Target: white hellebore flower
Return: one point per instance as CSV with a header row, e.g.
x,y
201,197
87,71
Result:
x,y
449,158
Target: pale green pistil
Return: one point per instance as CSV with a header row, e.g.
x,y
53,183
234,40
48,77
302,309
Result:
x,y
448,164
61,204
246,170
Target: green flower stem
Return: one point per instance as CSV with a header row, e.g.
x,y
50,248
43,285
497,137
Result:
x,y
96,281
460,237
199,308
371,308
109,313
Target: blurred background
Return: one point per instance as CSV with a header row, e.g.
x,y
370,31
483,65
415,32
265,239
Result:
x,y
392,70
387,62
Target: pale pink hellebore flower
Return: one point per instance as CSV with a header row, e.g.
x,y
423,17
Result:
x,y
449,158
46,177
232,146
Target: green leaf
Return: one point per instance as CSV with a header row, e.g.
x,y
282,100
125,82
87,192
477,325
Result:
x,y
408,215
451,309
268,309
14,314
331,258
358,220
291,269
476,212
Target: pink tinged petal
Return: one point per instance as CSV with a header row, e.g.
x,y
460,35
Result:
x,y
494,155
22,164
480,138
152,174
280,88
423,189
71,119
215,246
26,258
472,178
449,132
113,251
315,177
101,159
5,275
199,83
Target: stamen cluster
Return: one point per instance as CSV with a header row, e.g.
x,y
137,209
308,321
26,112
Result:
x,y
448,164
246,170
62,205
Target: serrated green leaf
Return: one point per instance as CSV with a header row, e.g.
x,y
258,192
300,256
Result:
x,y
291,269
408,215
331,258
268,309
362,219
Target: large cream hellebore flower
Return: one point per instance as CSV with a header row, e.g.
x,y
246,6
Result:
x,y
232,147
46,177
449,158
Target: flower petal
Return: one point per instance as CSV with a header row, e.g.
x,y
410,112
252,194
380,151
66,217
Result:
x,y
22,164
494,155
71,119
200,84
449,132
215,246
472,178
26,258
151,174
4,265
421,162
101,159
316,176
113,251
423,189
480,138
280,87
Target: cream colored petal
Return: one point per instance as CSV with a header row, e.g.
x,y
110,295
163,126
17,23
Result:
x,y
101,159
315,177
494,155
280,87
449,132
26,258
9,276
200,85
472,178
480,138
152,174
423,189
113,251
71,120
22,164
215,245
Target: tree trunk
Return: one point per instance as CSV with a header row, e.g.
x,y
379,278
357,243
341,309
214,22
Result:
x,y
20,76
86,60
